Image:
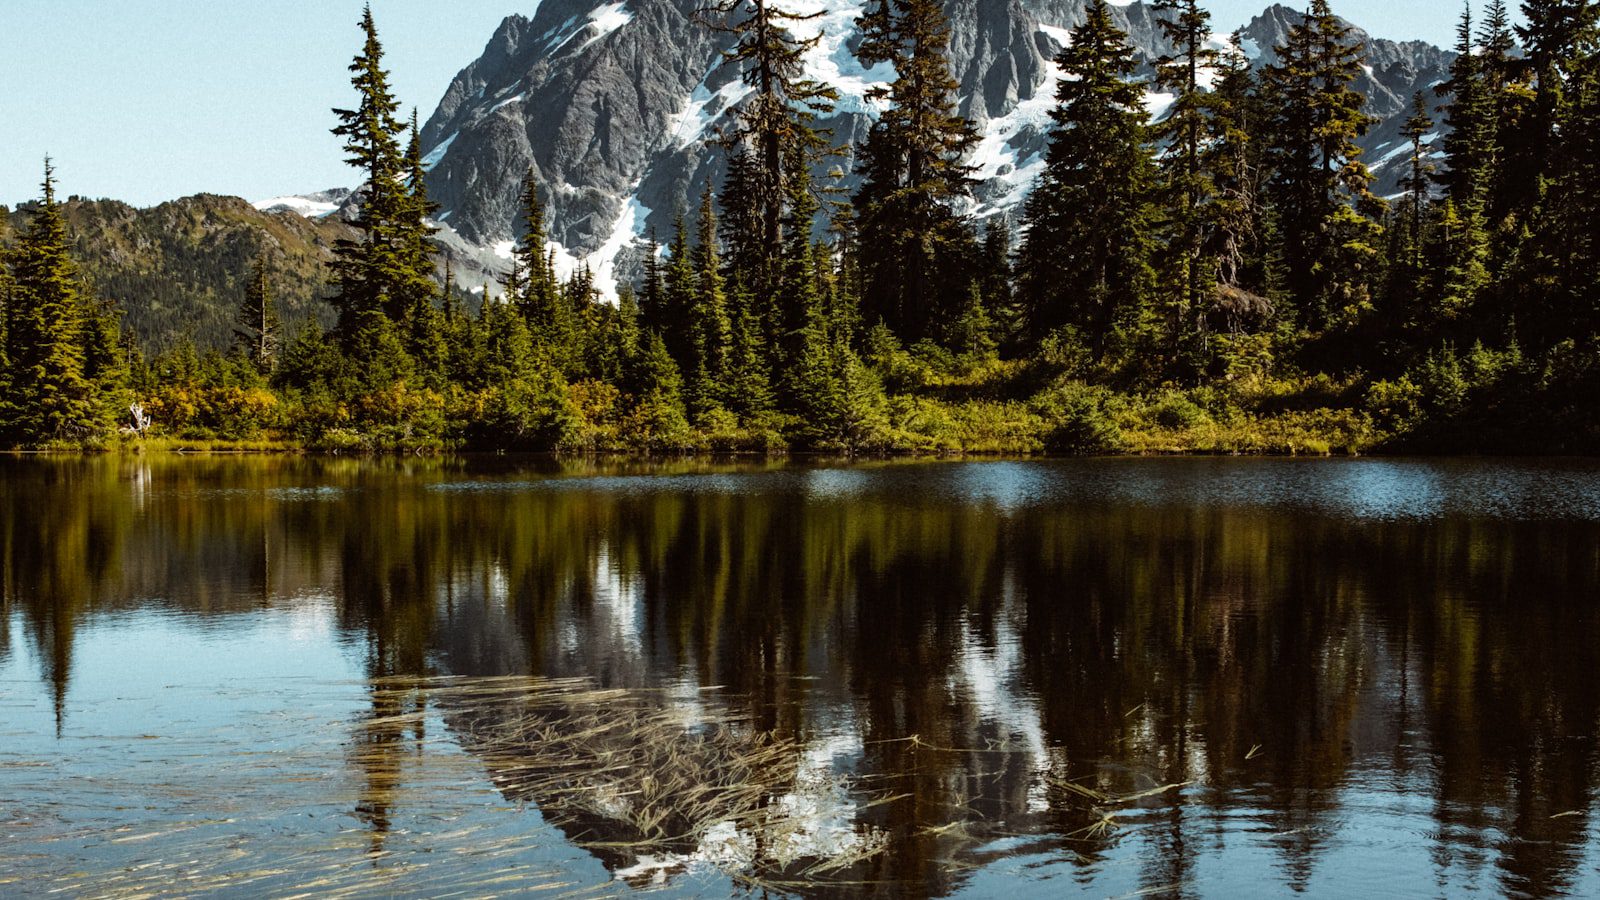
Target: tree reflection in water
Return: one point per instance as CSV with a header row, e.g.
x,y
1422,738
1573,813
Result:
x,y
962,662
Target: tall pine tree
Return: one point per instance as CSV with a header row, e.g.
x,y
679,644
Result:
x,y
1085,256
913,174
776,130
1320,187
372,273
1189,130
256,328
50,398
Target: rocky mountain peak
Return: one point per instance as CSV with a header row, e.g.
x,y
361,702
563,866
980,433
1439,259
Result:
x,y
610,103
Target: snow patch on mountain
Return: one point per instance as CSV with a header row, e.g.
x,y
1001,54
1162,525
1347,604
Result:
x,y
310,206
437,153
605,20
697,120
831,61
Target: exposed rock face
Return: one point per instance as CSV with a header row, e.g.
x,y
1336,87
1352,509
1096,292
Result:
x,y
611,103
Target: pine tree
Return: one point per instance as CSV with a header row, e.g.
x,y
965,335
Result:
x,y
1469,145
995,274
1189,131
417,298
748,382
372,272
652,287
1409,239
50,397
712,330
1086,248
1552,36
913,173
775,138
658,421
256,329
6,307
676,318
550,318
107,363
1236,160
1320,186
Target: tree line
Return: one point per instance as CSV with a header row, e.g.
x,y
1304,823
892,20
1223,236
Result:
x,y
1219,278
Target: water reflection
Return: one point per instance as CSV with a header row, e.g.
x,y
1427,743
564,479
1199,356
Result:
x,y
1171,676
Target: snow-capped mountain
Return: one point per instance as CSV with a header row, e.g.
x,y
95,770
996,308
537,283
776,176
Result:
x,y
311,206
611,105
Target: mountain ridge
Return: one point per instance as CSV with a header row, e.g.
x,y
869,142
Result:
x,y
610,105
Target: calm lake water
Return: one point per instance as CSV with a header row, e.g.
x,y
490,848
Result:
x,y
1221,678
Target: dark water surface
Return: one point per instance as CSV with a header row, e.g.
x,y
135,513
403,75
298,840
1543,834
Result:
x,y
1221,678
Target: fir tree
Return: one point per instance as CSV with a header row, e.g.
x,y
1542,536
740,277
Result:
x,y
712,330
658,421
1085,253
1319,185
417,298
913,172
1189,130
50,396
372,272
1409,240
550,318
675,323
1469,145
1236,161
775,137
256,327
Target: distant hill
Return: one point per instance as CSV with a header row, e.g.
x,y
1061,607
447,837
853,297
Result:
x,y
179,268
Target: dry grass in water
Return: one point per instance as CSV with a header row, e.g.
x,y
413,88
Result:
x,y
628,778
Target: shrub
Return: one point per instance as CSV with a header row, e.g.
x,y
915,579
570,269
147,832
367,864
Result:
x,y
1078,419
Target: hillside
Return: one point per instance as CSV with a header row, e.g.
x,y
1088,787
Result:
x,y
178,269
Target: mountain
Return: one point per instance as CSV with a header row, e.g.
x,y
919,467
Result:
x,y
179,269
611,104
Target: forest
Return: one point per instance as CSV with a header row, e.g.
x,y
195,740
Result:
x,y
1220,280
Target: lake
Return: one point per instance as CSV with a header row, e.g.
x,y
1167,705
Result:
x,y
1187,677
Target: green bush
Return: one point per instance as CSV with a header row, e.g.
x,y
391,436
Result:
x,y
1078,419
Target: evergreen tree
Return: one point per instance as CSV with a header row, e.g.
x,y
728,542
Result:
x,y
658,421
50,396
107,362
712,330
372,273
1236,161
550,318
1319,185
995,274
1553,34
523,399
418,292
1409,238
256,328
1469,144
6,307
913,173
675,324
1086,248
1189,131
748,382
775,138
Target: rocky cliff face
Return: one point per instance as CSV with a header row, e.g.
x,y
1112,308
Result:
x,y
610,104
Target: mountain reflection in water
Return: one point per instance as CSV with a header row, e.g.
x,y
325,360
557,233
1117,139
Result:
x,y
1196,677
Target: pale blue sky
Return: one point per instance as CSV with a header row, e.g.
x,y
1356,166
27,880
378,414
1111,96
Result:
x,y
147,100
